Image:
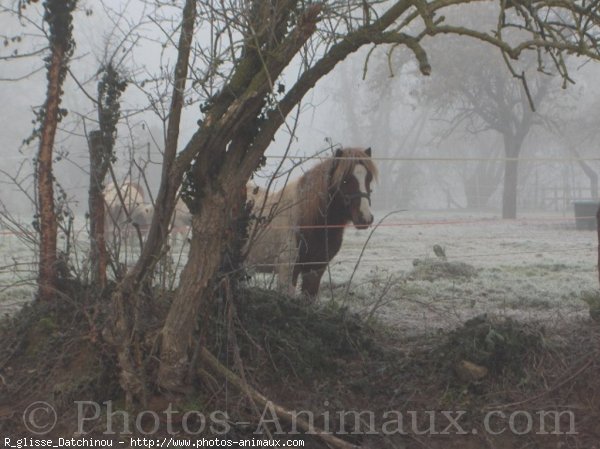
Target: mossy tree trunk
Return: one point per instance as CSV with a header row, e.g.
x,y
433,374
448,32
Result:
x,y
98,252
58,15
101,148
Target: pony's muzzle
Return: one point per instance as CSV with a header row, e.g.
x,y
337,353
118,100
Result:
x,y
364,222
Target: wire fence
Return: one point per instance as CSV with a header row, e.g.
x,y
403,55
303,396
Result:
x,y
325,155
443,222
560,159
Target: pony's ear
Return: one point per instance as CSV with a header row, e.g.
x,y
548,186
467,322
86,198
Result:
x,y
339,153
368,151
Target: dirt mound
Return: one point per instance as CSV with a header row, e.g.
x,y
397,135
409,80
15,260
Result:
x,y
303,339
51,353
501,346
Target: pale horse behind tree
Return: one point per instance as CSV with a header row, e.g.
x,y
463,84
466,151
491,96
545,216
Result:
x,y
129,213
301,227
125,210
181,222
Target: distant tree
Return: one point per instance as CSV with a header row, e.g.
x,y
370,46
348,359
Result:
x,y
488,97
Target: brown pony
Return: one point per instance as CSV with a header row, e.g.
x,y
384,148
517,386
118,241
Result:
x,y
302,225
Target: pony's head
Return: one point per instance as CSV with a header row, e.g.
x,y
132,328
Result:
x,y
352,172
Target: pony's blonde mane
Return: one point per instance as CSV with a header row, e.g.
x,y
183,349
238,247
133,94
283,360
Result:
x,y
313,186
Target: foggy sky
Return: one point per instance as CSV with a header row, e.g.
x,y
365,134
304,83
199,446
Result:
x,y
341,109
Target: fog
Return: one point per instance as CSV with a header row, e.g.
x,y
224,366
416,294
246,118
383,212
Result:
x,y
437,139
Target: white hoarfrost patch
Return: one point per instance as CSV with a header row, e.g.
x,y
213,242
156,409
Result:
x,y
534,268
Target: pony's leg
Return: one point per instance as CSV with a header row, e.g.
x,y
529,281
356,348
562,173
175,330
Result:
x,y
311,280
173,239
285,277
295,275
286,265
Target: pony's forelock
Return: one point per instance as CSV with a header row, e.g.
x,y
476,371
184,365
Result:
x,y
345,162
326,175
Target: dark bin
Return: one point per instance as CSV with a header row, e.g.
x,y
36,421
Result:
x,y
585,214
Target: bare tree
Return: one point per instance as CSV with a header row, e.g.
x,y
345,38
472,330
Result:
x,y
488,97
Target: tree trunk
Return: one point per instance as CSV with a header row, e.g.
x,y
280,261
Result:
x,y
98,168
58,16
211,233
512,148
509,195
